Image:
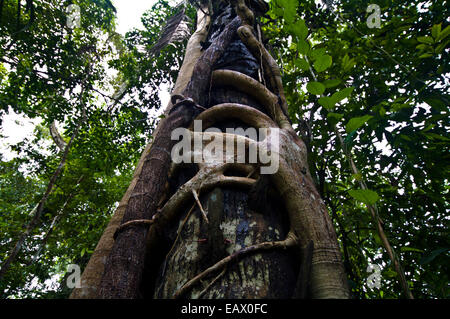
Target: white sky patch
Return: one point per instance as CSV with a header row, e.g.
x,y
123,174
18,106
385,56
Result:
x,y
14,129
129,13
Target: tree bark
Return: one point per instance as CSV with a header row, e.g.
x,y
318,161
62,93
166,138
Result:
x,y
223,230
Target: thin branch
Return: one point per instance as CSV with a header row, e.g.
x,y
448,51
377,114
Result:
x,y
213,282
37,212
55,221
56,136
197,200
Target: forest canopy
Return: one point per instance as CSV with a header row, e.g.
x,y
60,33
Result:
x,y
367,84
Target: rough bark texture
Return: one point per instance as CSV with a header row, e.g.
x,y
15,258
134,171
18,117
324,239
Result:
x,y
218,230
92,275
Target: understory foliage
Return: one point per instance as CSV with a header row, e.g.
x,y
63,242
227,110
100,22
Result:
x,y
383,91
386,91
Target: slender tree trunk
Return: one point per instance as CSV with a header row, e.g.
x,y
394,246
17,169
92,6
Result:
x,y
220,229
39,208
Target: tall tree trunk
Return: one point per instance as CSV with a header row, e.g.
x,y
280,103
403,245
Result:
x,y
220,229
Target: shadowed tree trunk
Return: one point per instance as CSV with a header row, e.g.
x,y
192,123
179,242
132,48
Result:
x,y
221,229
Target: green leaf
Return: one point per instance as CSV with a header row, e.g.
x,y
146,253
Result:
x,y
290,9
411,249
390,273
434,136
405,137
316,53
299,29
443,34
349,139
279,12
303,47
302,64
366,196
399,106
356,122
436,104
436,30
342,94
423,47
441,47
315,88
331,83
326,102
323,62
334,118
427,40
425,56
347,63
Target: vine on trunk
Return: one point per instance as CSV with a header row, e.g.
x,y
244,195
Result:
x,y
309,222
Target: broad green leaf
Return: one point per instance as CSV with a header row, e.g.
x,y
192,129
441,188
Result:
x,y
299,29
378,239
302,64
326,102
345,59
342,94
366,196
399,106
331,83
323,62
315,88
316,53
334,117
356,122
279,12
303,47
290,9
